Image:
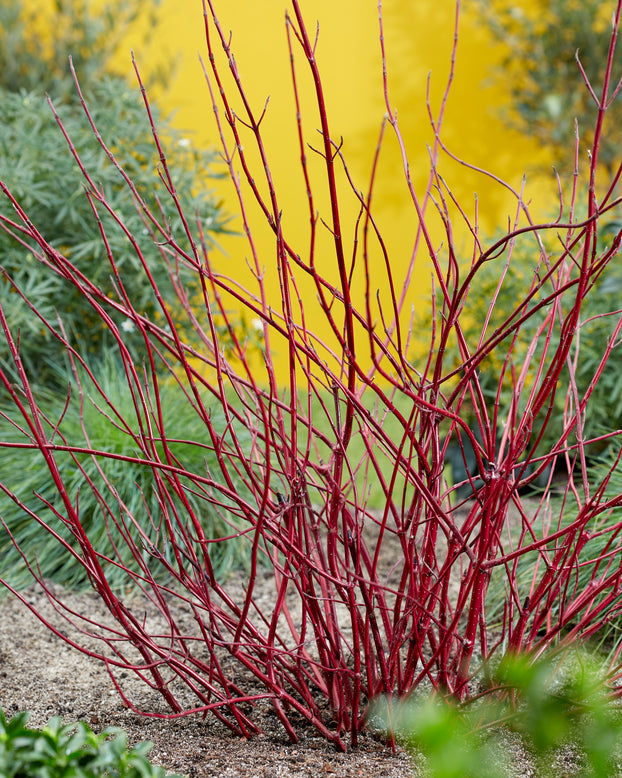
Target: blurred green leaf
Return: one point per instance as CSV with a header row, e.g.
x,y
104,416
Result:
x,y
549,702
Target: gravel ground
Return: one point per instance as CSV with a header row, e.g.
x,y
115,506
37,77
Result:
x,y
41,673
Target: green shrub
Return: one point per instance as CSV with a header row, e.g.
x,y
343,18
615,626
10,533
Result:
x,y
507,284
70,751
539,70
35,46
36,163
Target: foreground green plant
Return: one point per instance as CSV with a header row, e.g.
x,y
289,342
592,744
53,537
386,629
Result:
x,y
549,703
71,751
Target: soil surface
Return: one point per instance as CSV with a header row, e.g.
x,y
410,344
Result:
x,y
39,672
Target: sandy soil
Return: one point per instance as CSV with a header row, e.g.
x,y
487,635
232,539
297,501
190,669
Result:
x,y
41,673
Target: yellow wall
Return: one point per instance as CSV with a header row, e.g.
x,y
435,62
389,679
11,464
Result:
x,y
419,36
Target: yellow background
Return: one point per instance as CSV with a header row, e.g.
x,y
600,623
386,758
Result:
x,y
419,36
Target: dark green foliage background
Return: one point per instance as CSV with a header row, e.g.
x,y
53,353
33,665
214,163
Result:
x,y
37,166
526,267
539,70
129,489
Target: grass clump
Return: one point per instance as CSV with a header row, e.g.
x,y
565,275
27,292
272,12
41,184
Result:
x,y
119,495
